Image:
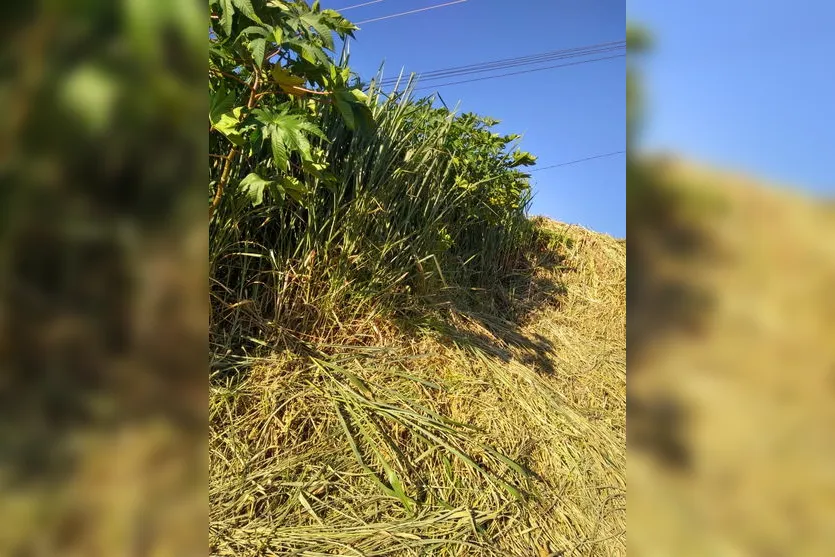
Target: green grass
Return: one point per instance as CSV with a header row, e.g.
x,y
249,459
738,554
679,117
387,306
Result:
x,y
390,233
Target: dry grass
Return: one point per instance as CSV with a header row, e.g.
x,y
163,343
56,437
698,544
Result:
x,y
749,375
500,439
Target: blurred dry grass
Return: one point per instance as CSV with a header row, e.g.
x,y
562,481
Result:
x,y
732,369
297,441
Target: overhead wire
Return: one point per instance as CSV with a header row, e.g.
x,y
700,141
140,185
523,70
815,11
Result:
x,y
506,63
436,6
359,5
521,72
613,153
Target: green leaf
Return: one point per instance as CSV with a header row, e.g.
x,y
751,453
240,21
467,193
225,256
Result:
x,y
365,117
339,24
319,25
295,189
345,109
311,53
227,12
359,95
521,158
280,155
245,8
223,117
285,79
287,134
228,126
257,48
254,30
253,185
353,108
280,4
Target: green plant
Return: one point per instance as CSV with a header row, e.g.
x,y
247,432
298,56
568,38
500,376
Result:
x,y
269,74
338,209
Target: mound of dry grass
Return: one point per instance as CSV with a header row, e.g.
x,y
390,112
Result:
x,y
494,437
739,384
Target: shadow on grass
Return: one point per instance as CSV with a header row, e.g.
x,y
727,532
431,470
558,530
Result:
x,y
492,319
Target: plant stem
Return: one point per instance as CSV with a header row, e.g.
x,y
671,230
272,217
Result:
x,y
227,166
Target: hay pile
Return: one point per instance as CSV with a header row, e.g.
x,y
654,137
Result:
x,y
741,383
494,437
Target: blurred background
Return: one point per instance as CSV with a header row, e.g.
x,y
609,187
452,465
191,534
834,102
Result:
x,y
103,305
731,263
103,290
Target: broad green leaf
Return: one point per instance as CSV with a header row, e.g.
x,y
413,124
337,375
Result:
x,y
345,108
339,24
285,79
228,126
227,13
359,95
311,53
257,48
295,189
255,30
286,134
316,22
220,102
253,185
227,122
279,148
280,4
363,114
521,158
245,7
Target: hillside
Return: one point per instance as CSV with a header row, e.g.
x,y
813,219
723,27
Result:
x,y
731,359
479,434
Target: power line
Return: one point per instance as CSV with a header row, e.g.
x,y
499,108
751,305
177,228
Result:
x,y
411,12
521,72
360,5
520,61
576,49
613,153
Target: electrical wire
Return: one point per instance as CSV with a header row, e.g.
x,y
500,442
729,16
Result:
x,y
521,72
613,153
436,6
517,61
359,5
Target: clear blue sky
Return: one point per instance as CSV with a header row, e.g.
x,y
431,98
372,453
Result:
x,y
564,114
743,84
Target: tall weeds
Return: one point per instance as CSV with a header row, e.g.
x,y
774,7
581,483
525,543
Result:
x,y
397,222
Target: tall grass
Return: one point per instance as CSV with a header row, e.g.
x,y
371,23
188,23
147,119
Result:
x,y
393,230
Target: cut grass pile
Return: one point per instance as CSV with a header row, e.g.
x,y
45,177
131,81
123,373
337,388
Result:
x,y
730,394
484,437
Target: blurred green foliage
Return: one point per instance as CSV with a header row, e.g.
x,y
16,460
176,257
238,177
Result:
x,y
102,166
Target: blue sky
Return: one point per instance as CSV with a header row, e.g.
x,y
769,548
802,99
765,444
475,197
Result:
x,y
746,85
564,114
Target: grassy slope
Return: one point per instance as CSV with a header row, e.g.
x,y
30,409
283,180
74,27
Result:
x,y
296,443
738,384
